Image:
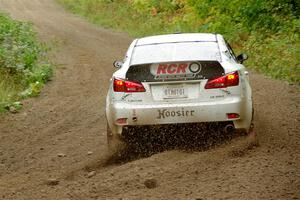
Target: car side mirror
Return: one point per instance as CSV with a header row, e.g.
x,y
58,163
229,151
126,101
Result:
x,y
242,57
118,64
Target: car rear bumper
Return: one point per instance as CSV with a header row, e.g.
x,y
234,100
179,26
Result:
x,y
127,114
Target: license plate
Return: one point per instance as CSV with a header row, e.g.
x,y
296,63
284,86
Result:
x,y
174,92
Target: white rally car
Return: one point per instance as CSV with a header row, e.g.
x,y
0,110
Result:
x,y
179,78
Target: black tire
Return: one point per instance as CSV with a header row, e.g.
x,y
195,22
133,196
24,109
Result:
x,y
114,142
251,129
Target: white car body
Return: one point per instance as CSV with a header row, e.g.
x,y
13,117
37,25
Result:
x,y
172,73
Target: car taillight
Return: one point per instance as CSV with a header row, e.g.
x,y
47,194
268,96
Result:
x,y
231,79
127,86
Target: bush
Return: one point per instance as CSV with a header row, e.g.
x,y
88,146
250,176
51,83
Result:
x,y
22,61
268,30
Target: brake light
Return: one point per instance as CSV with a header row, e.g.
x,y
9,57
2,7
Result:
x,y
231,79
127,86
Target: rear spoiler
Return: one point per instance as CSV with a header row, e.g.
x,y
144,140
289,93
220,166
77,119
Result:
x,y
190,70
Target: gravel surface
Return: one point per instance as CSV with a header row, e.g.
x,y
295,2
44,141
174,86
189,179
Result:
x,y
55,148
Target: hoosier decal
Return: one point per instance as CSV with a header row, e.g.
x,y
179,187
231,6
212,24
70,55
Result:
x,y
164,113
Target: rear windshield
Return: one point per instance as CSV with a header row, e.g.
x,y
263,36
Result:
x,y
172,71
173,52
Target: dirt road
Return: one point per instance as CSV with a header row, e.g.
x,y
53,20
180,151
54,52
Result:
x,y
55,148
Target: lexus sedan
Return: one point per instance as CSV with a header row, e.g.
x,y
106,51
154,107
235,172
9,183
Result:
x,y
179,78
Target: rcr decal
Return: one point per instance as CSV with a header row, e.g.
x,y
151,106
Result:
x,y
164,113
195,67
175,70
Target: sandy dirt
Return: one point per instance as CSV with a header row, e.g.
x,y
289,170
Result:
x,y
55,148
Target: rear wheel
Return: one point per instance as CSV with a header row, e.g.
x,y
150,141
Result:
x,y
251,128
114,142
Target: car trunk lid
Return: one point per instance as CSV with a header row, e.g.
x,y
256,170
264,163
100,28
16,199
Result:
x,y
176,81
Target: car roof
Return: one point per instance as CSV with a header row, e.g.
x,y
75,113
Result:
x,y
177,38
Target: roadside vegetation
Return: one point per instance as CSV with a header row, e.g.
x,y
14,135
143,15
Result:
x,y
268,31
24,67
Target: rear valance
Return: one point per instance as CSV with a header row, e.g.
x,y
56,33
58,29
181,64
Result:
x,y
191,70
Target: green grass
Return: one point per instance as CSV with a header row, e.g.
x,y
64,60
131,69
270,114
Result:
x,y
8,90
269,31
24,67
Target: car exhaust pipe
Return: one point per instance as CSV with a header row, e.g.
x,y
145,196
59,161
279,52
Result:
x,y
229,128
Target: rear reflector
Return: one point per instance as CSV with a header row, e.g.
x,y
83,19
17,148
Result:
x,y
127,86
121,121
231,79
233,116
